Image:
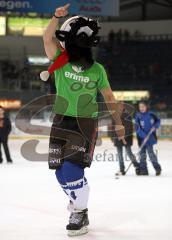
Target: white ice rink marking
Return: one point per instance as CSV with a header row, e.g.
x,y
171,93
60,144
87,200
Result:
x,y
33,207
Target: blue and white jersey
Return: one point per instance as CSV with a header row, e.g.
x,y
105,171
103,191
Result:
x,y
144,122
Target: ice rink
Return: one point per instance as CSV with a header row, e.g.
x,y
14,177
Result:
x,y
33,207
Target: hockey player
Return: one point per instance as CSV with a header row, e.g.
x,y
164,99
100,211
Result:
x,y
128,124
147,121
78,78
5,129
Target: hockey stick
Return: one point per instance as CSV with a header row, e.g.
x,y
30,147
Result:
x,y
141,147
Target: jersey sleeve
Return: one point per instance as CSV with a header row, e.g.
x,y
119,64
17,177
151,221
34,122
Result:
x,y
103,79
157,120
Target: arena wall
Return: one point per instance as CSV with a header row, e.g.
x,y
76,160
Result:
x,y
165,131
146,27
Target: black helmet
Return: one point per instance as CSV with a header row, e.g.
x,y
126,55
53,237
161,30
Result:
x,y
79,31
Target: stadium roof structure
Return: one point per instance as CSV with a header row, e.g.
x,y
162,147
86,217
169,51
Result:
x,y
144,5
126,4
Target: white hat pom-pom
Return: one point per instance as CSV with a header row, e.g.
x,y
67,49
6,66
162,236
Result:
x,y
44,76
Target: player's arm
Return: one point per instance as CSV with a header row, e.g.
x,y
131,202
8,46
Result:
x,y
50,42
115,108
157,123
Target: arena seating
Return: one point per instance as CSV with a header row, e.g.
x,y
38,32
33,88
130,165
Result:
x,y
143,64
132,63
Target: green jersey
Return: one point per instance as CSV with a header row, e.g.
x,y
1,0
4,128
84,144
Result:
x,y
77,89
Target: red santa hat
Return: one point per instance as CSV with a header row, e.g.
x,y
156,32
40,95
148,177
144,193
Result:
x,y
61,60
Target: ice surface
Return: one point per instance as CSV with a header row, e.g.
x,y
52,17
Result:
x,y
33,207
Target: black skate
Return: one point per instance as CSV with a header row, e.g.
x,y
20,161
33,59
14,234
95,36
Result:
x,y
78,223
143,173
158,172
120,173
137,167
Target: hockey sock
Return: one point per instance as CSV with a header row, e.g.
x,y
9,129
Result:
x,y
77,184
61,180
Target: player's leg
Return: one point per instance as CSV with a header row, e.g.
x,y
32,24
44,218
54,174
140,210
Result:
x,y
6,149
61,180
132,157
77,184
1,160
143,163
56,151
76,155
121,160
78,190
154,160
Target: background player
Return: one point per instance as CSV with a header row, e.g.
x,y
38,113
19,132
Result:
x,y
147,121
128,124
5,129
